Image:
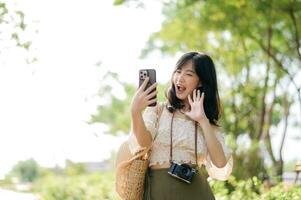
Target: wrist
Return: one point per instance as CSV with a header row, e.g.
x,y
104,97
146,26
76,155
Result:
x,y
134,112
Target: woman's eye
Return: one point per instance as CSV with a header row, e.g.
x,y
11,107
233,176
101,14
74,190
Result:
x,y
178,71
189,74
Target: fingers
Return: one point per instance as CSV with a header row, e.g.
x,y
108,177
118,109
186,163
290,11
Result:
x,y
143,85
151,98
194,95
151,88
202,97
151,95
198,96
190,100
152,101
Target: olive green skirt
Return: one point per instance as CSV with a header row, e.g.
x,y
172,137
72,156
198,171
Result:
x,y
159,185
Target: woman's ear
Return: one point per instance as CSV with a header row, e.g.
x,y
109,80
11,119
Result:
x,y
200,83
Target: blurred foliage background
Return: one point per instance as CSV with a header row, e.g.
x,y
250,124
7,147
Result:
x,y
256,48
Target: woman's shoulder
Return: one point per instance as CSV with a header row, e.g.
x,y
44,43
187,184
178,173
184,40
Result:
x,y
158,108
161,106
152,112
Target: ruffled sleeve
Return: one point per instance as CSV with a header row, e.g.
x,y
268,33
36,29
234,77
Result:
x,y
150,119
222,173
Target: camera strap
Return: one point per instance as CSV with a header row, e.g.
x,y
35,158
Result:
x,y
195,137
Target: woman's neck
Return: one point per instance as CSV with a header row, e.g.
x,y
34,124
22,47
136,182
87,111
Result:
x,y
186,106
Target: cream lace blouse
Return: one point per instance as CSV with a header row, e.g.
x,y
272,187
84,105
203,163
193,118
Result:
x,y
183,142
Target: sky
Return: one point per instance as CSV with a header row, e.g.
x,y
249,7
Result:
x,y
44,106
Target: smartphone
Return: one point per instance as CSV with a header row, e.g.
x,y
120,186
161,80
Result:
x,y
151,73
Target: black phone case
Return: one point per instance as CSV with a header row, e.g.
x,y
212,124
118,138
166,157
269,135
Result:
x,y
151,73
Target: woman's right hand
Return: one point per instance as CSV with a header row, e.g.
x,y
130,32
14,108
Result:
x,y
143,98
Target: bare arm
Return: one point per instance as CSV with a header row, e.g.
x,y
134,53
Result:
x,y
215,149
143,136
197,113
140,101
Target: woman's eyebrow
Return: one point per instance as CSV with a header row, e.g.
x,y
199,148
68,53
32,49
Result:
x,y
190,70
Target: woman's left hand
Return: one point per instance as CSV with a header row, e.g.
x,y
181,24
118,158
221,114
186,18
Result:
x,y
197,112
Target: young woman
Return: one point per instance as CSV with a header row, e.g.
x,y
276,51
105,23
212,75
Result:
x,y
185,135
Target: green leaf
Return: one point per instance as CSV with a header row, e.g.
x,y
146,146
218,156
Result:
x,y
118,2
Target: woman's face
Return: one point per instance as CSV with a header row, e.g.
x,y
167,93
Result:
x,y
185,80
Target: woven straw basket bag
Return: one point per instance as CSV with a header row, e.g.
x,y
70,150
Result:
x,y
130,174
131,169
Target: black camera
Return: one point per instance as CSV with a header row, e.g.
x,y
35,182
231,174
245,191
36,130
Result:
x,y
182,171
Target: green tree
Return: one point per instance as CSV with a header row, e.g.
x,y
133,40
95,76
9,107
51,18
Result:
x,y
9,17
256,46
26,171
114,111
74,169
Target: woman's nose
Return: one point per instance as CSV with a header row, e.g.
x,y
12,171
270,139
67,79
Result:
x,y
181,78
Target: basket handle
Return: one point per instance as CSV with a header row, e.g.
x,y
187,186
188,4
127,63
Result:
x,y
142,153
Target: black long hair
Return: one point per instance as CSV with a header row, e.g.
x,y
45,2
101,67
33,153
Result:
x,y
205,70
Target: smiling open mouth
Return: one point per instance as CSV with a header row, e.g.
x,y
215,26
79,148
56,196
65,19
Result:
x,y
181,88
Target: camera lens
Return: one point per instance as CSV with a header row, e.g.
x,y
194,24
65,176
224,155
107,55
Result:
x,y
185,171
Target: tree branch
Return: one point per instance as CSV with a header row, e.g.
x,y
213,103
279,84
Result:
x,y
266,136
265,88
269,147
280,65
297,39
287,106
